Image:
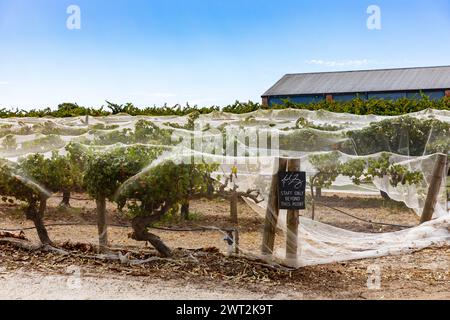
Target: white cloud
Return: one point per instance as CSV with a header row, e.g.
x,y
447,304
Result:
x,y
4,83
339,63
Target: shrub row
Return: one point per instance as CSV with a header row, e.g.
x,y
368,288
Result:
x,y
356,106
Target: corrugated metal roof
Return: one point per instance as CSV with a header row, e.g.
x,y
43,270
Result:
x,y
362,81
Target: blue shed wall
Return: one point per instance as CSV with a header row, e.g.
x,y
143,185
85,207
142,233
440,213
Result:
x,y
296,99
433,94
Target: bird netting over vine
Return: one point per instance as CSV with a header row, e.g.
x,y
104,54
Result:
x,y
150,166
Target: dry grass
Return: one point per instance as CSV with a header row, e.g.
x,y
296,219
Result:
x,y
199,258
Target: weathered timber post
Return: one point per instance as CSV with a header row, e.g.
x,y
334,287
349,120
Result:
x,y
234,207
272,211
435,186
102,225
292,223
447,186
313,208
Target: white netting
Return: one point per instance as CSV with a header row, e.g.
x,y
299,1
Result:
x,y
340,153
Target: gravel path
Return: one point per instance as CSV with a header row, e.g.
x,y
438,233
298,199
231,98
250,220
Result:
x,y
19,285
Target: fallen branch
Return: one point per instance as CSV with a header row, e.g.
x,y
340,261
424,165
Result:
x,y
151,259
22,244
48,248
29,246
123,259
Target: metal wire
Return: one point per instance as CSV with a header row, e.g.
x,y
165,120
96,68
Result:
x,y
364,220
196,229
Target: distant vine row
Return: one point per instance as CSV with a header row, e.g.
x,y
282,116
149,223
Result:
x,y
356,106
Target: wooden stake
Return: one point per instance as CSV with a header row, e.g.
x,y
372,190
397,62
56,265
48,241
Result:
x,y
435,186
234,207
272,211
292,223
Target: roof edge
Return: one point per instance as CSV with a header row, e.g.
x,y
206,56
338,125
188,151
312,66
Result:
x,y
267,93
367,70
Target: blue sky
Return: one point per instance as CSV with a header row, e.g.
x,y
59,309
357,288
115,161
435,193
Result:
x,y
202,51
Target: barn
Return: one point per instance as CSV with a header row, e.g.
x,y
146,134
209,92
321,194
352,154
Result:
x,y
367,84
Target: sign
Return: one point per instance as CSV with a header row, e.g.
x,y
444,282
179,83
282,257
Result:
x,y
292,190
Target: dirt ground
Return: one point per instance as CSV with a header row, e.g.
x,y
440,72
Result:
x,y
199,268
19,285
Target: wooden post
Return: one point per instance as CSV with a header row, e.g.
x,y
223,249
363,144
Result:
x,y
234,207
272,211
447,186
435,186
292,224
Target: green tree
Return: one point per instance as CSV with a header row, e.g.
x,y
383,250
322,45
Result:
x,y
106,172
327,167
151,195
403,135
33,179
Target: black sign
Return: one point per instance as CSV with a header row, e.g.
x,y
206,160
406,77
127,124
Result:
x,y
291,190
